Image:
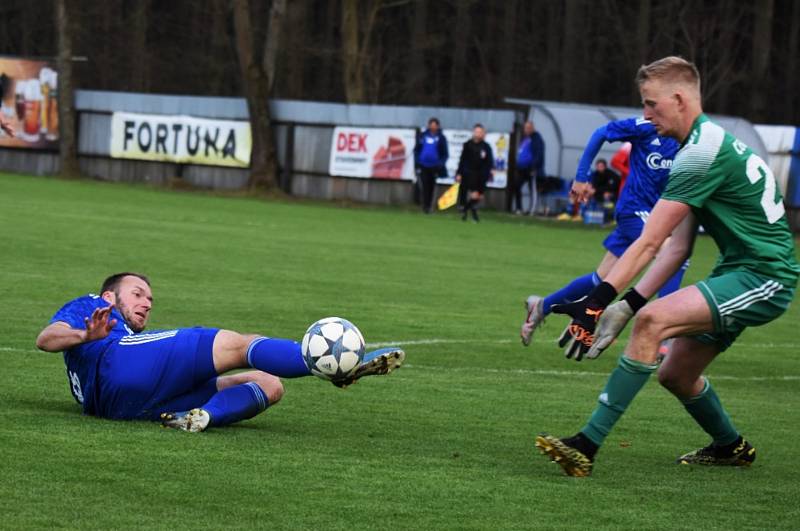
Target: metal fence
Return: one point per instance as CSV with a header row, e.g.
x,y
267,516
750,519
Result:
x,y
303,132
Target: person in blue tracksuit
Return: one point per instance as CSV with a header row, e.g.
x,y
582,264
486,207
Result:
x,y
430,157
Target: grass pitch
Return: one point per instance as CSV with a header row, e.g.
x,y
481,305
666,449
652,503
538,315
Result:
x,y
444,443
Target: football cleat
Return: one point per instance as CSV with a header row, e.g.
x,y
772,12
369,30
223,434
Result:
x,y
741,454
534,305
574,462
194,420
377,362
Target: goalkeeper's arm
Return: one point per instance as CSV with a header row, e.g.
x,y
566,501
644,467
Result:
x,y
670,258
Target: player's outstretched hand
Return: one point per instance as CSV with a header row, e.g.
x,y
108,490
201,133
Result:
x,y
579,334
581,191
100,324
610,325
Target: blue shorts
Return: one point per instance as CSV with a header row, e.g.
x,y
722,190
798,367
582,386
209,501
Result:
x,y
143,375
629,228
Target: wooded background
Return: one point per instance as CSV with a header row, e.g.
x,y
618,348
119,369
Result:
x,y
442,52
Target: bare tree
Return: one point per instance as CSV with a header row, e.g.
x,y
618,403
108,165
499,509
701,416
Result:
x,y
68,149
459,85
792,76
356,38
258,76
415,75
762,43
140,71
508,53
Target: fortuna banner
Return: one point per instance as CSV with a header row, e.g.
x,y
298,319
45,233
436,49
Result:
x,y
183,139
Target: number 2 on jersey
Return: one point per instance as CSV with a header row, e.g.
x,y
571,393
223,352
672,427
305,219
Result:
x,y
756,169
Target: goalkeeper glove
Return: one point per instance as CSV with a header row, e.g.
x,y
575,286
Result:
x,y
614,320
579,334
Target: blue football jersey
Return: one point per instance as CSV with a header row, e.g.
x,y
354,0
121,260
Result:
x,y
82,360
650,161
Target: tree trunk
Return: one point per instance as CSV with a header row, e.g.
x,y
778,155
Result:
x,y
459,83
642,44
269,60
296,43
548,74
792,81
218,45
571,63
508,53
140,75
256,84
415,75
762,42
68,152
351,50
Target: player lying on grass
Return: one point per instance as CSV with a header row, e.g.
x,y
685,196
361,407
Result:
x,y
117,371
732,193
650,159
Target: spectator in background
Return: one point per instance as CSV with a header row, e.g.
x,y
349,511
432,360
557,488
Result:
x,y
430,157
530,165
606,187
621,163
6,126
474,170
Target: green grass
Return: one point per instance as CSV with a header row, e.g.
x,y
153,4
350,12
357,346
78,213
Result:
x,y
444,443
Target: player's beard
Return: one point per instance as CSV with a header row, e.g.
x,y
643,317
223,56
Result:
x,y
127,314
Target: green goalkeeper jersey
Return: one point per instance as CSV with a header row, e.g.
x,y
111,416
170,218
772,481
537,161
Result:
x,y
733,194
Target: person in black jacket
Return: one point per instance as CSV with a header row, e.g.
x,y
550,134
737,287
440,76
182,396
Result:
x,y
430,157
474,170
606,186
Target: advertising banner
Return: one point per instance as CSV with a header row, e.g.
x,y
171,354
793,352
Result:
x,y
499,142
29,92
373,153
182,139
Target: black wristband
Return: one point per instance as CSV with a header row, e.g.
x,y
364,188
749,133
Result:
x,y
603,294
634,299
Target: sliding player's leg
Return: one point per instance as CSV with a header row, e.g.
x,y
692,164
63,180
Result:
x,y
280,357
234,398
283,357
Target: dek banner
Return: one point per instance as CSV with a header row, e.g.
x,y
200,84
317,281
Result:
x,y
29,94
499,142
182,139
367,152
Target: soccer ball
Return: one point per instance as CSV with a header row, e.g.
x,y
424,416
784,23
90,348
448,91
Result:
x,y
333,348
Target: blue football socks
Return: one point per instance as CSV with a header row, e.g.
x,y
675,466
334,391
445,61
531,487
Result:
x,y
573,291
279,357
236,403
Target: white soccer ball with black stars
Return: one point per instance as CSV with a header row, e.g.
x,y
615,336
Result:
x,y
333,348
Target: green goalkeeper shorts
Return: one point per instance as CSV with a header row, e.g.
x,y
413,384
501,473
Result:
x,y
739,299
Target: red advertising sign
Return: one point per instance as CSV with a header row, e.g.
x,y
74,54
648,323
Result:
x,y
29,91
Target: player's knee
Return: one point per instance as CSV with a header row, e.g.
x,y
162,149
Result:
x,y
272,387
649,322
674,382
